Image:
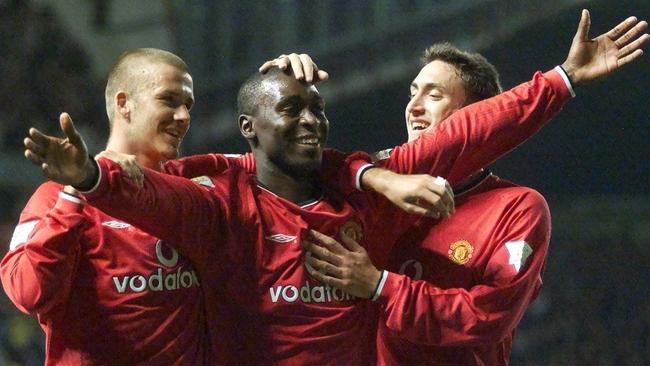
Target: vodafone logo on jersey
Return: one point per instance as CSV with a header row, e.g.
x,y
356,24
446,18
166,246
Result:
x,y
308,294
164,278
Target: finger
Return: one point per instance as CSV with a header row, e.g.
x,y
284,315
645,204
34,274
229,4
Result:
x,y
35,159
296,66
629,58
583,26
420,211
621,28
39,138
50,173
323,278
322,253
636,45
322,266
351,243
265,67
307,67
328,242
322,75
431,200
67,126
33,147
631,34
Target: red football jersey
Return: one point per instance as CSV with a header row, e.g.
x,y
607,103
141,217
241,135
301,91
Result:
x,y
245,241
459,286
104,291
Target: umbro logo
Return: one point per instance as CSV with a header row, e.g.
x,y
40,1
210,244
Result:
x,y
116,224
281,238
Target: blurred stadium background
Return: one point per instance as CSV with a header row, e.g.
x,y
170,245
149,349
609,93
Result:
x,y
591,163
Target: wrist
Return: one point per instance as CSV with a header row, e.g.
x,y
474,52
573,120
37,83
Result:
x,y
91,175
375,179
570,72
381,280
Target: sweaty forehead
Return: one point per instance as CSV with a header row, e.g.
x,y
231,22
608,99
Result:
x,y
282,86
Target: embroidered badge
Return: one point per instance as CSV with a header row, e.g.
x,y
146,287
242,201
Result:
x,y
460,252
353,230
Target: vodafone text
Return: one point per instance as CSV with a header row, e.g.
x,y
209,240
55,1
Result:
x,y
308,294
161,279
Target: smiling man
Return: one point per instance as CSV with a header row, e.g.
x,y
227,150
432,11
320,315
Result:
x,y
106,292
244,233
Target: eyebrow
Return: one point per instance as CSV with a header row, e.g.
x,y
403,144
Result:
x,y
428,86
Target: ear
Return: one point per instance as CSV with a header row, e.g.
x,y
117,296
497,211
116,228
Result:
x,y
246,126
122,105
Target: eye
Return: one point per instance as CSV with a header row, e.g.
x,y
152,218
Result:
x,y
435,96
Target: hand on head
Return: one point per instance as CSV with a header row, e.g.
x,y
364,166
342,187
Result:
x,y
302,66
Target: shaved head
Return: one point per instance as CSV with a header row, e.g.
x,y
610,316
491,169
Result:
x,y
132,73
256,90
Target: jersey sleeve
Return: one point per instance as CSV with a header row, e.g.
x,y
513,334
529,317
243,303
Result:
x,y
340,171
208,164
180,212
423,313
37,272
480,133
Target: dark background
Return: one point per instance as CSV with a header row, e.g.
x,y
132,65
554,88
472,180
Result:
x,y
591,162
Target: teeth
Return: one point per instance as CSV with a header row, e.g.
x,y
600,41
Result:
x,y
419,125
310,141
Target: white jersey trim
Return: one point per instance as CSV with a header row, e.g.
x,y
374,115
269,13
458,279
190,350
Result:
x,y
21,234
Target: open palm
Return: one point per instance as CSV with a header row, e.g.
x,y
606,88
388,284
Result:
x,y
63,160
590,59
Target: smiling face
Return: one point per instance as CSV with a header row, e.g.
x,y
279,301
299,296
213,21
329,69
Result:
x,y
436,92
288,127
160,112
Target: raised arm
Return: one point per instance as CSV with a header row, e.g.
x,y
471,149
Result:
x,y
171,208
43,254
478,134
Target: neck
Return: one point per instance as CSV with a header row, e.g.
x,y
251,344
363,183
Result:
x,y
293,187
122,146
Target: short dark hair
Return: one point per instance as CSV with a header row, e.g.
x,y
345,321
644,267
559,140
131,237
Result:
x,y
251,93
480,78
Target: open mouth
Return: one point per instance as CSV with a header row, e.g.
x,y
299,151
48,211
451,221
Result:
x,y
308,140
419,125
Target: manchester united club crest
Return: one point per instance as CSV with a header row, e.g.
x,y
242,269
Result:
x,y
353,230
460,252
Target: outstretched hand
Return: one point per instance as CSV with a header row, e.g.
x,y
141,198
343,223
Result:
x,y
590,59
63,160
302,66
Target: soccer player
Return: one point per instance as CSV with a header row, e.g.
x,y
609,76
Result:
x,y
104,291
457,288
250,228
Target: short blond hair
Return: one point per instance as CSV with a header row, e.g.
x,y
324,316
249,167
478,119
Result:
x,y
126,73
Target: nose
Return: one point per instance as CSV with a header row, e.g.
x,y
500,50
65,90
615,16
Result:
x,y
415,106
182,114
309,118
